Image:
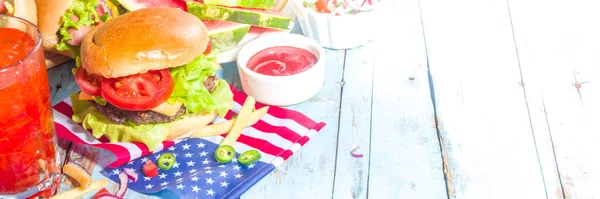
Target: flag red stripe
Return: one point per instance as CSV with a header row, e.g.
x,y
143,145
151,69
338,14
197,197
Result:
x,y
265,127
277,112
64,108
144,148
283,132
259,144
63,132
288,153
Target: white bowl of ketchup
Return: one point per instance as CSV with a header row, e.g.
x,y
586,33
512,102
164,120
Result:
x,y
282,69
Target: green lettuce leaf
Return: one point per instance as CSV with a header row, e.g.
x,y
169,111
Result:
x,y
149,134
223,96
85,10
81,108
190,90
99,100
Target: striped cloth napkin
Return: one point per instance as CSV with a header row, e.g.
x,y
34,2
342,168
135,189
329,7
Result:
x,y
277,136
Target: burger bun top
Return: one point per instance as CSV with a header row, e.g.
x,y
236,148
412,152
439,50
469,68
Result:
x,y
143,40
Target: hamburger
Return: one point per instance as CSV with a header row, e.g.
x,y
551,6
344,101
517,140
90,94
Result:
x,y
148,76
63,23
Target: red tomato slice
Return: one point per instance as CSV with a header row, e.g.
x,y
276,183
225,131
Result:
x,y
208,47
140,91
88,83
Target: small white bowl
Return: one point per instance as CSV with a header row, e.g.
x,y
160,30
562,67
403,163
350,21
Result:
x,y
282,90
338,32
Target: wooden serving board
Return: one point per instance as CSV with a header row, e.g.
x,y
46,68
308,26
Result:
x,y
54,59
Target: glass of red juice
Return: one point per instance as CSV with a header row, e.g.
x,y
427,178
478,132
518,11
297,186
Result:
x,y
29,164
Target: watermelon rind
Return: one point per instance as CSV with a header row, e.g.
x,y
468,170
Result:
x,y
226,35
244,16
256,4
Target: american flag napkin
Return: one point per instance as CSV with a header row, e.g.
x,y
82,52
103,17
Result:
x,y
277,135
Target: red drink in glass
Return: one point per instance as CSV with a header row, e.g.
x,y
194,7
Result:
x,y
29,165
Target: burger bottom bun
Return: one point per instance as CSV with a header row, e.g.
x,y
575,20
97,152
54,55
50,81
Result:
x,y
189,124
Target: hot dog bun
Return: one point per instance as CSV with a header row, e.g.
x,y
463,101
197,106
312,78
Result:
x,y
26,9
50,20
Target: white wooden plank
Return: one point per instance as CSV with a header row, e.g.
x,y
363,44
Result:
x,y
309,172
559,59
525,26
483,118
351,174
62,81
405,152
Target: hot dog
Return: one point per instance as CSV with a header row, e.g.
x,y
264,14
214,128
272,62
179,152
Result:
x,y
64,23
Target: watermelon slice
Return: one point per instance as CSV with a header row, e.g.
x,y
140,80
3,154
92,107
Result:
x,y
226,35
257,4
260,18
132,5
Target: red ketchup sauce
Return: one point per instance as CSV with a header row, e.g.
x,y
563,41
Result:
x,y
282,61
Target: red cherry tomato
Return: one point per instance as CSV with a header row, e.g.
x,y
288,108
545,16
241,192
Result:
x,y
102,191
208,47
140,91
322,6
149,169
88,83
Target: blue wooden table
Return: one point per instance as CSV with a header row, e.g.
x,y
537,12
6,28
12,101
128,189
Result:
x,y
453,99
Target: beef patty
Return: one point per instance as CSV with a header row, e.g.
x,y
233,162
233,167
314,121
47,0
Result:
x,y
119,116
210,83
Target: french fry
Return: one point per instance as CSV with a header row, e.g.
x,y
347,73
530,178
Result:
x,y
79,173
224,127
240,123
80,191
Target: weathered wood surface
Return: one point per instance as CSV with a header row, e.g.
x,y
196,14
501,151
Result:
x,y
455,99
406,161
483,122
558,51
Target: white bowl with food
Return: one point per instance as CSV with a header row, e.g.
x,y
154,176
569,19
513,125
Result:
x,y
282,69
338,24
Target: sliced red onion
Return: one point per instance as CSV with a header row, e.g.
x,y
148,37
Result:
x,y
124,180
355,153
108,196
132,175
105,8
